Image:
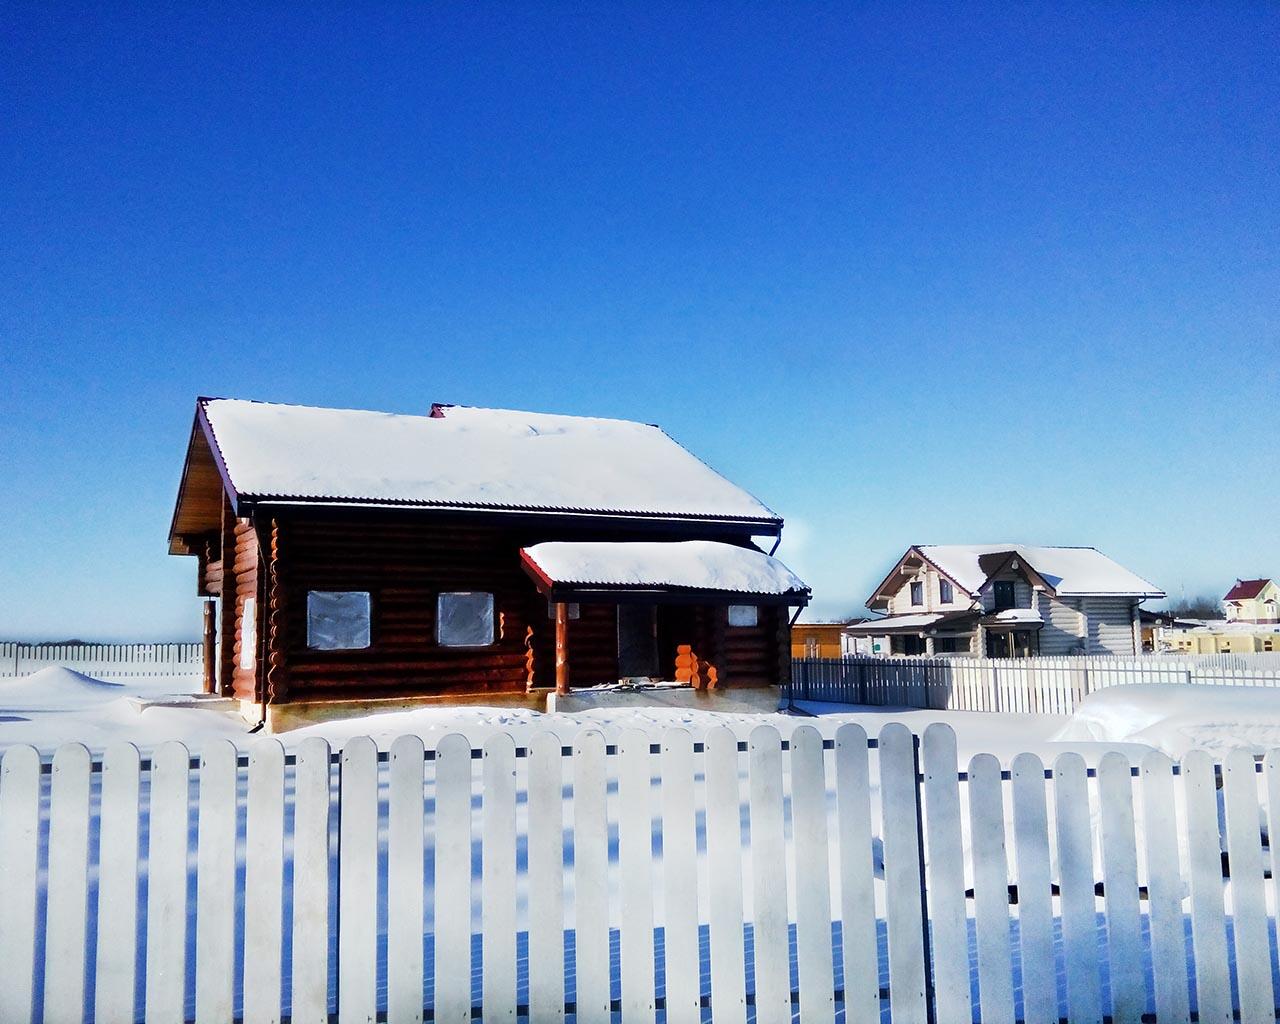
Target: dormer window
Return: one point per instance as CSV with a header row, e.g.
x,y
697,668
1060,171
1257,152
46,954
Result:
x,y
1004,594
917,594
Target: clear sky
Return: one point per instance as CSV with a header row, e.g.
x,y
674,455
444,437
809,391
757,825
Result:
x,y
954,274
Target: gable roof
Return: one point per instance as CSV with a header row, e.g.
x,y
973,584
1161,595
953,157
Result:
x,y
462,457
1246,590
1067,571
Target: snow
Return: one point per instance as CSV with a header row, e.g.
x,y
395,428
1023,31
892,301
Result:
x,y
468,457
1018,615
875,626
1070,571
1178,717
699,564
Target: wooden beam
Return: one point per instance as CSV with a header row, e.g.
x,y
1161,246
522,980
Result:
x,y
210,649
562,647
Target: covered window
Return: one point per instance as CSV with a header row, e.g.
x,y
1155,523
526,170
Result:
x,y
337,620
946,593
248,632
917,593
464,619
743,615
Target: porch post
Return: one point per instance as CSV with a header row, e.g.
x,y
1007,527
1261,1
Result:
x,y
562,648
210,649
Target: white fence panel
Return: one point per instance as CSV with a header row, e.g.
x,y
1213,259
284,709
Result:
x,y
498,867
742,808
67,911
116,968
182,663
215,884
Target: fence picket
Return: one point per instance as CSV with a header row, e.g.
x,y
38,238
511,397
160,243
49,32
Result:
x,y
1164,890
947,912
215,883
546,879
311,824
724,859
405,877
1204,864
860,948
1075,880
1120,885
67,909
19,851
358,882
813,897
498,874
264,883
167,883
116,966
635,884
769,920
451,832
902,875
679,880
1248,898
1035,902
990,890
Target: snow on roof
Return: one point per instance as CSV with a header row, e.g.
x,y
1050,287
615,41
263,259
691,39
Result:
x,y
1070,571
470,457
691,564
874,627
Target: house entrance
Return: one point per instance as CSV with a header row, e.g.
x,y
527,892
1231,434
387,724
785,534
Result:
x,y
637,641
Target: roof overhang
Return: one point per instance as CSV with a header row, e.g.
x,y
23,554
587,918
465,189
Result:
x,y
661,572
882,592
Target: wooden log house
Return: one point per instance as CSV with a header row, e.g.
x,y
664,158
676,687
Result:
x,y
469,555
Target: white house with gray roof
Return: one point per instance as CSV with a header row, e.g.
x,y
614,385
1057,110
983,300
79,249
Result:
x,y
1008,600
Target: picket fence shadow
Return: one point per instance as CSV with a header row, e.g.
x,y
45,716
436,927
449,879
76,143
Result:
x,y
1048,685
658,878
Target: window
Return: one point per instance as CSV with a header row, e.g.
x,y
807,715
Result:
x,y
574,610
464,619
1004,594
917,593
248,632
946,593
337,620
743,615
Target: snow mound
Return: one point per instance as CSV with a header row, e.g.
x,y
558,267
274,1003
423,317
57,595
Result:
x,y
1179,717
55,688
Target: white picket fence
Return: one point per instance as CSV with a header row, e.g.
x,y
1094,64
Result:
x,y
661,878
1039,685
114,663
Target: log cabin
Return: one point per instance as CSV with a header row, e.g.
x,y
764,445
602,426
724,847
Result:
x,y
469,555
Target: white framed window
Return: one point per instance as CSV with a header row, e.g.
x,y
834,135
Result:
x,y
337,620
464,619
574,610
248,632
744,615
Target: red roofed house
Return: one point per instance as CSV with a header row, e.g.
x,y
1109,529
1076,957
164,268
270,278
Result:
x,y
469,555
1253,601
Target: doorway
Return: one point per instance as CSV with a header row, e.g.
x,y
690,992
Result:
x,y
637,641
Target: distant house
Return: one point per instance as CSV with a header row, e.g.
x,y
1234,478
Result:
x,y
1007,600
469,555
818,640
1256,601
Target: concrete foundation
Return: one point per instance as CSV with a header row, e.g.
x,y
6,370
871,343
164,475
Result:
x,y
755,700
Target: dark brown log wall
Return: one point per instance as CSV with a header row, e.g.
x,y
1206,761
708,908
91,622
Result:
x,y
245,571
405,564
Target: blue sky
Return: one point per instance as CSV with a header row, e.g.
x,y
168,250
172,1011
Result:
x,y
942,275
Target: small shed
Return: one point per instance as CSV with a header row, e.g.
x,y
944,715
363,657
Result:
x,y
470,555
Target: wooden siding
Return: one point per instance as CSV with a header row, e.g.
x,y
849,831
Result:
x,y
1060,634
246,556
1110,625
